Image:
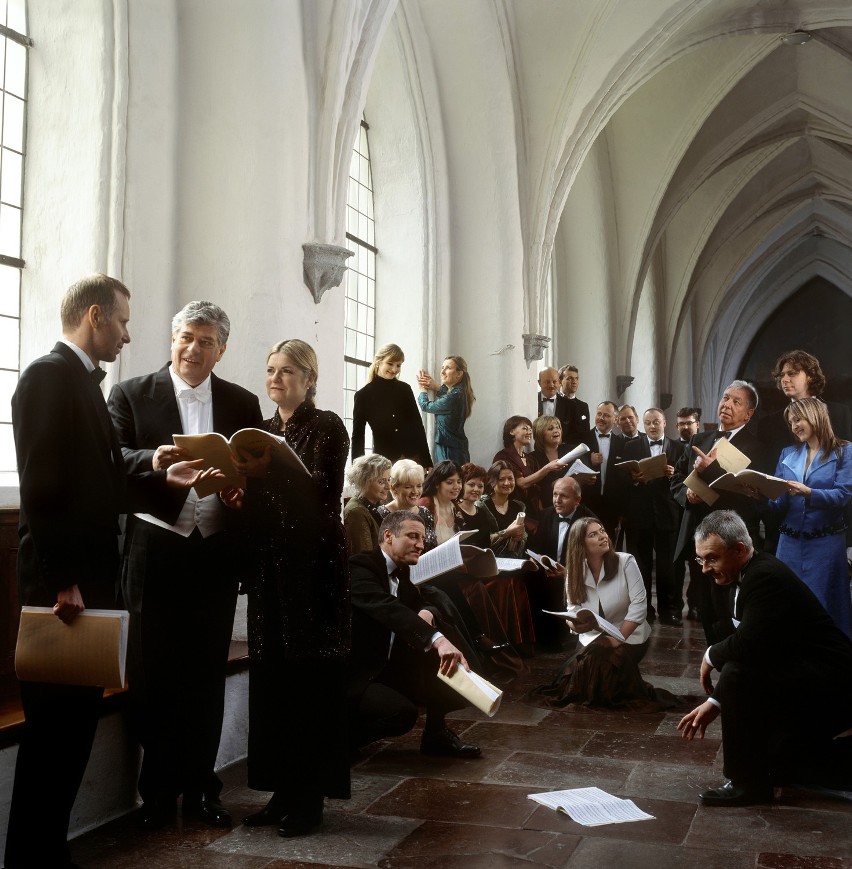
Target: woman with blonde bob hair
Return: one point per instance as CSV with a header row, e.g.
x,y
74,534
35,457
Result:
x,y
818,471
298,602
604,670
387,405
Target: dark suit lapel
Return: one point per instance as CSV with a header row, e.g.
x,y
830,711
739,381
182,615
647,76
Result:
x,y
165,403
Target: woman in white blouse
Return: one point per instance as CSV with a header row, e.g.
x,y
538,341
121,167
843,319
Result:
x,y
603,671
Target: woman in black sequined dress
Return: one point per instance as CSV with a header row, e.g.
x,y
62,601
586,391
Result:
x,y
298,604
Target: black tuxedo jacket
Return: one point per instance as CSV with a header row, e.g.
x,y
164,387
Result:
x,y
546,538
770,600
72,483
561,412
579,421
746,507
651,505
376,614
146,415
613,491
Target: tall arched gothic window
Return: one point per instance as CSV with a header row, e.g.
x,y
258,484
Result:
x,y
360,315
14,45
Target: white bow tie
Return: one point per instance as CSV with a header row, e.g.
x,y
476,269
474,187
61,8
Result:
x,y
202,395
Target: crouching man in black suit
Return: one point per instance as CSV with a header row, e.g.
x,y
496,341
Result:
x,y
397,648
782,708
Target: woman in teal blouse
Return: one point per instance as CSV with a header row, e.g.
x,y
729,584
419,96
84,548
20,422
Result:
x,y
452,406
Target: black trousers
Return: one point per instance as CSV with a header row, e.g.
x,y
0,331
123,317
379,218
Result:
x,y
61,721
181,620
643,544
389,705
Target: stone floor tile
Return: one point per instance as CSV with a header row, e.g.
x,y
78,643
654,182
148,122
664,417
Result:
x,y
667,782
668,726
460,802
604,853
517,737
671,823
541,772
791,861
343,840
510,713
779,829
663,749
409,762
441,844
584,718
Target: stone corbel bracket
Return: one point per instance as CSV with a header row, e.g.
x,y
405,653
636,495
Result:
x,y
323,267
534,347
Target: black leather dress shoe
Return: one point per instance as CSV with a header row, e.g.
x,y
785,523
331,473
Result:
x,y
207,809
731,794
447,744
156,814
272,813
671,619
691,614
299,823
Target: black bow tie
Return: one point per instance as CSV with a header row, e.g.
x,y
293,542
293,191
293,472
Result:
x,y
602,435
565,519
97,374
722,434
655,443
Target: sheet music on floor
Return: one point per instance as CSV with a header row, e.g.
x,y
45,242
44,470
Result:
x,y
592,807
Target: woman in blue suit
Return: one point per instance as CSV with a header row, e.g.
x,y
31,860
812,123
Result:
x,y
452,406
813,531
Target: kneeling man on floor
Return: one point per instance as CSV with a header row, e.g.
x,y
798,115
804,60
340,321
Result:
x,y
397,648
785,675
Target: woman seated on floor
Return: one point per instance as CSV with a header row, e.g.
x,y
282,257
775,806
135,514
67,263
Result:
x,y
604,671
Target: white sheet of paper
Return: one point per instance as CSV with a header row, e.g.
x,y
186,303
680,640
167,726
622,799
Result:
x,y
571,455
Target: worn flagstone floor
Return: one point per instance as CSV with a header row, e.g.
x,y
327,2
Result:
x,y
430,813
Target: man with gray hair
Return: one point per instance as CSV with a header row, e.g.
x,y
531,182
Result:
x,y
181,571
736,408
783,709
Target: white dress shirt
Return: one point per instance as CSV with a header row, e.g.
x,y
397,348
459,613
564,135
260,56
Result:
x,y
196,415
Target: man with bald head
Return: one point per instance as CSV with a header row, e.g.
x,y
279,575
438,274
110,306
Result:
x,y
550,401
546,590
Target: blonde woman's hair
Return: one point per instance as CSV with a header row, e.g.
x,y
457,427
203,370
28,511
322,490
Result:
x,y
815,413
540,424
403,471
385,353
303,356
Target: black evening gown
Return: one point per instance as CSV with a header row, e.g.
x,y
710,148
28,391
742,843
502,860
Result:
x,y
299,616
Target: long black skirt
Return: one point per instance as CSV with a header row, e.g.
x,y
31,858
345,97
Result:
x,y
605,676
298,742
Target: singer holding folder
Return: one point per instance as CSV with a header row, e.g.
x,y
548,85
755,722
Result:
x,y
73,489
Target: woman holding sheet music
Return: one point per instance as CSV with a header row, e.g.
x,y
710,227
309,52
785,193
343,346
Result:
x,y
298,604
547,439
818,472
604,670
517,439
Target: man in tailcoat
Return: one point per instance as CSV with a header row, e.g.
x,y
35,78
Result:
x,y
604,495
782,710
736,408
652,516
73,488
578,421
397,647
181,571
547,588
